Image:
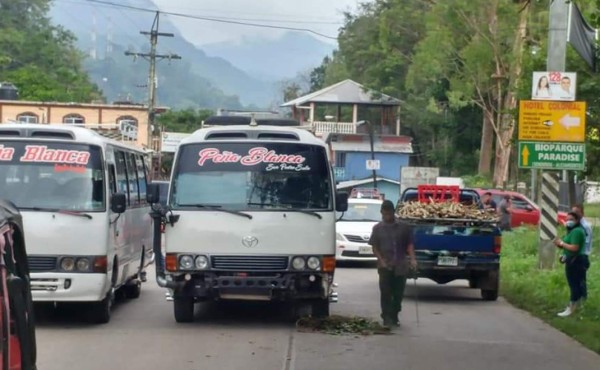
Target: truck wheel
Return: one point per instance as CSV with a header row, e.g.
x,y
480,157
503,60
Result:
x,y
133,290
489,295
320,308
183,309
100,311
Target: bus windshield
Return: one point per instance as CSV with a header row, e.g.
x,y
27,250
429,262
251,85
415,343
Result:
x,y
252,176
52,175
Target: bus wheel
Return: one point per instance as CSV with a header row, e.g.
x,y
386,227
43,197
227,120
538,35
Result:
x,y
133,290
320,308
100,312
183,308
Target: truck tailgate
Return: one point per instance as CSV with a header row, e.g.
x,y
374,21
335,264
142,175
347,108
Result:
x,y
455,239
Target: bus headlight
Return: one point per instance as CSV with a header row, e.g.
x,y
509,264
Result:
x,y
186,262
298,263
67,264
313,263
201,262
83,264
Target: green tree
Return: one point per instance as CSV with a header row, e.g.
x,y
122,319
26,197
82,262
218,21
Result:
x,y
186,120
477,46
39,58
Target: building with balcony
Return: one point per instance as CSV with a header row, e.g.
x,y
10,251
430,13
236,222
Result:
x,y
345,108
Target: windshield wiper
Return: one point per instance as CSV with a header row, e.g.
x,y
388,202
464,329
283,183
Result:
x,y
61,211
217,208
312,213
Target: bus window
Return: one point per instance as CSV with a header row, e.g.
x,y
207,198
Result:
x,y
142,178
122,186
134,194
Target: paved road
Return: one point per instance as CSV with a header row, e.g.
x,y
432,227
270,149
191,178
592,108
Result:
x,y
456,331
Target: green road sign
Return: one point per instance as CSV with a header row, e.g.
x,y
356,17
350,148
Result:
x,y
552,155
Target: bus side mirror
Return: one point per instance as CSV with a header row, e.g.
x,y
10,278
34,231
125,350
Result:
x,y
118,203
341,202
153,193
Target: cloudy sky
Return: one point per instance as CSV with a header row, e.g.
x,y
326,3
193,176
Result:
x,y
323,16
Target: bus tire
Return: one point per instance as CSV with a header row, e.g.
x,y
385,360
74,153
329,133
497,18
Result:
x,y
100,312
320,308
133,290
183,308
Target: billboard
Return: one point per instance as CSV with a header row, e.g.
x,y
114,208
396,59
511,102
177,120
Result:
x,y
559,86
170,141
411,177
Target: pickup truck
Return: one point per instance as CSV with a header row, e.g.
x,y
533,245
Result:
x,y
452,249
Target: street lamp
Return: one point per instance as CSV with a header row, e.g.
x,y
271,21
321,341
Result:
x,y
371,139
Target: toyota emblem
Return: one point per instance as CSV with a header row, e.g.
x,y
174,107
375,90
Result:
x,y
249,241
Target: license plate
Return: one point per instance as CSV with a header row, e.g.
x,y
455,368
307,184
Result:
x,y
447,261
367,249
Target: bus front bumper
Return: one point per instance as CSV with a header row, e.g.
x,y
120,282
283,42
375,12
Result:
x,y
258,287
64,287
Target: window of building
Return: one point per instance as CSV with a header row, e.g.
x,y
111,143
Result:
x,y
73,119
28,117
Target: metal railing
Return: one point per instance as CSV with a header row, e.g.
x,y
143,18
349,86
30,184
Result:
x,y
322,127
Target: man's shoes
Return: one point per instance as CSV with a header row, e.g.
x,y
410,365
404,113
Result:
x,y
387,323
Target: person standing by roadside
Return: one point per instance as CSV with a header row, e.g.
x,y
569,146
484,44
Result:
x,y
488,202
392,243
587,227
573,246
505,213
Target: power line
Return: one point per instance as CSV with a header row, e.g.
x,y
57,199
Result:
x,y
218,20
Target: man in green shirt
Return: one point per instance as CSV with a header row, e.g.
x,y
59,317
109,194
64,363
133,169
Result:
x,y
573,246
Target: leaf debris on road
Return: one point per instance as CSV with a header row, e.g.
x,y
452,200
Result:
x,y
340,325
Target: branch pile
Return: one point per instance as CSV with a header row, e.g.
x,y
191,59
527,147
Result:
x,y
445,210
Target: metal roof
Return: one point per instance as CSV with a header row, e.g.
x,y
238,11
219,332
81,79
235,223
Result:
x,y
345,92
378,147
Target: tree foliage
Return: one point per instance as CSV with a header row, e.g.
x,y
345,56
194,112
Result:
x,y
455,63
186,120
40,58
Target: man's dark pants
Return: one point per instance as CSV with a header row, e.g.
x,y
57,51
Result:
x,y
391,287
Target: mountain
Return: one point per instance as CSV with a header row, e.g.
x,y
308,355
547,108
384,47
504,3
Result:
x,y
278,59
106,32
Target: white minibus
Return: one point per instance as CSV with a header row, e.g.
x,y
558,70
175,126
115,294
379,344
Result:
x,y
251,216
83,201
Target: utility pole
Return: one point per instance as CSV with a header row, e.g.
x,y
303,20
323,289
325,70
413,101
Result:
x,y
151,58
372,139
556,61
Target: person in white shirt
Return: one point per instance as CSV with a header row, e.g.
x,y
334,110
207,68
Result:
x,y
564,92
578,209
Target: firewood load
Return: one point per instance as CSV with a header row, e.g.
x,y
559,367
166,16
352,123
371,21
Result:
x,y
444,210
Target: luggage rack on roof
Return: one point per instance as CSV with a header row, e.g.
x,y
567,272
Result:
x,y
366,193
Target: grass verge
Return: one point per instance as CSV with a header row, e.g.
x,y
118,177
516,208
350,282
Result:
x,y
544,293
592,210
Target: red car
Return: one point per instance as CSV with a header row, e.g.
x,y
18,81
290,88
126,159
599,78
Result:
x,y
525,212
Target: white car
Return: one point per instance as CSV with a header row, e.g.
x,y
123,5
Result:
x,y
353,230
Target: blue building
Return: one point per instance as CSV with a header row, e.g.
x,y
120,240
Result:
x,y
350,153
